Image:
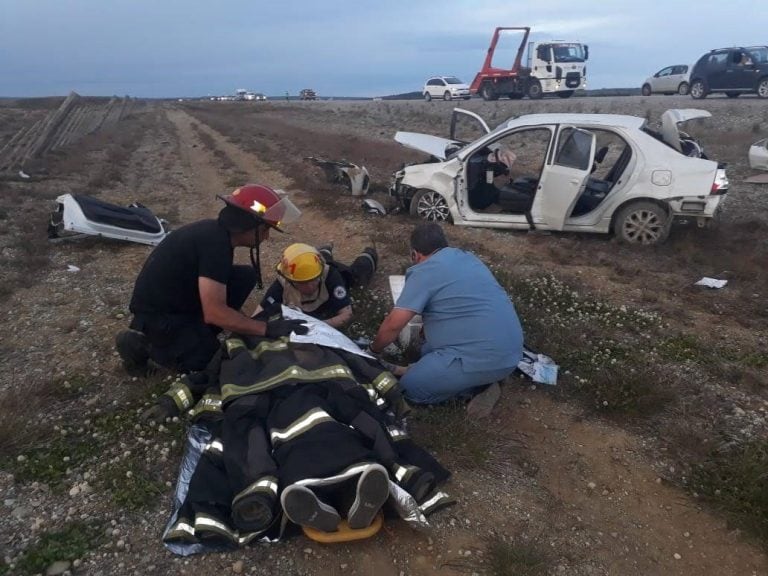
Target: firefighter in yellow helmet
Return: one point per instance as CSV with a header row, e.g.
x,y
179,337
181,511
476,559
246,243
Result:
x,y
312,281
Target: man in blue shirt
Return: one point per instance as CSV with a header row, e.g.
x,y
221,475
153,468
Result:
x,y
472,335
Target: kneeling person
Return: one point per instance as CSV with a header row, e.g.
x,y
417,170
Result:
x,y
316,284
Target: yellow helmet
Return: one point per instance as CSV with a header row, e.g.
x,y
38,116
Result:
x,y
300,263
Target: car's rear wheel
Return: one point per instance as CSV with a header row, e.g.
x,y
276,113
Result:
x,y
646,90
430,205
683,89
427,96
447,96
642,223
488,92
534,90
698,90
733,94
565,93
762,88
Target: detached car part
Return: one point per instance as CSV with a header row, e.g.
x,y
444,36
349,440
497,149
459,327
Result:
x,y
81,215
758,155
352,176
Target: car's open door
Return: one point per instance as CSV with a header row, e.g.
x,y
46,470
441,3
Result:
x,y
464,118
564,177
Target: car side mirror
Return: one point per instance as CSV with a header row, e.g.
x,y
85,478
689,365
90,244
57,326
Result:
x,y
586,52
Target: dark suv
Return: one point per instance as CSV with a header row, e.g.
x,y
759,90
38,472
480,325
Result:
x,y
734,71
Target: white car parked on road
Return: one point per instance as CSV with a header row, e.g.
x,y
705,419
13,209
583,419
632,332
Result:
x,y
669,80
571,172
445,87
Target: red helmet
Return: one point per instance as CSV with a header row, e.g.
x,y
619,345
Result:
x,y
264,204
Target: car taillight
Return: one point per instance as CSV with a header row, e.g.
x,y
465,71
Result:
x,y
720,184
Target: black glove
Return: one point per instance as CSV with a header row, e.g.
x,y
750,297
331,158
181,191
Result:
x,y
281,327
159,411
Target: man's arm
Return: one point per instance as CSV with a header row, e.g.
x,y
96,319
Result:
x,y
213,297
390,328
342,317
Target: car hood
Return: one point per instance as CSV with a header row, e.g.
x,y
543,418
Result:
x,y
670,120
432,145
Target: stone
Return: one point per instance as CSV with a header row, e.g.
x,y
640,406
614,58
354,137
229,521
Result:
x,y
237,567
58,568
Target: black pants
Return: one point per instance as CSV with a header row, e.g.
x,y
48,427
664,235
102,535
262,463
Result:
x,y
184,342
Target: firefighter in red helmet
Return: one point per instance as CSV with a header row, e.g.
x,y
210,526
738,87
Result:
x,y
189,289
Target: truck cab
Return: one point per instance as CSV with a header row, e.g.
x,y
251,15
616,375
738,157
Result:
x,y
558,66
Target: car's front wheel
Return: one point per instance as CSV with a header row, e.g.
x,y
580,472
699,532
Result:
x,y
642,223
683,89
447,96
762,88
430,205
646,90
427,96
698,90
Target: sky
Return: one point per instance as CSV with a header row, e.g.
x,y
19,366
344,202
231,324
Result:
x,y
194,48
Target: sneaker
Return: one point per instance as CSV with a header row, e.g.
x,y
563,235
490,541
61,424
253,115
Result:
x,y
326,251
304,508
371,253
372,492
133,348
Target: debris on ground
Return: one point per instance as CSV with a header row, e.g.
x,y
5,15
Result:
x,y
352,176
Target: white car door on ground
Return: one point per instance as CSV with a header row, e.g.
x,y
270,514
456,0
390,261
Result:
x,y
563,180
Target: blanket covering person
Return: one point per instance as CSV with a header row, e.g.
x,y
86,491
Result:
x,y
282,414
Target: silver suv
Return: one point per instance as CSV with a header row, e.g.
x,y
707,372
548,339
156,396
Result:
x,y
445,87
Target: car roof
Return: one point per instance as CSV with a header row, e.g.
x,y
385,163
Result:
x,y
614,120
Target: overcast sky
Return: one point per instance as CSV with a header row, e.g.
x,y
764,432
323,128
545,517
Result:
x,y
172,48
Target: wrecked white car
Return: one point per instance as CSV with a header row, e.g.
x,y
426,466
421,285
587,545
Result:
x,y
571,172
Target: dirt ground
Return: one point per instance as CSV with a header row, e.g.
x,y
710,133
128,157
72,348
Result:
x,y
568,489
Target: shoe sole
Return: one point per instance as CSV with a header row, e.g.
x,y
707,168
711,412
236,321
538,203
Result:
x,y
483,403
372,492
304,508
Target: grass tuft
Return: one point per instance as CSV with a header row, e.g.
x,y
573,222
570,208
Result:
x,y
516,558
735,480
70,543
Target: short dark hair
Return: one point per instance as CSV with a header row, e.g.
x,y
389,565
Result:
x,y
427,238
237,220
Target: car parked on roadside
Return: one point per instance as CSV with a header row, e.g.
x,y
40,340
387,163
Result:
x,y
564,171
731,71
669,80
445,87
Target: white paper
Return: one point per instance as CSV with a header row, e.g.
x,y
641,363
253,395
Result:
x,y
72,268
410,333
538,367
321,333
711,282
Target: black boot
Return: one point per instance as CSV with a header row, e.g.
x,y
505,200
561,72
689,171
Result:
x,y
133,348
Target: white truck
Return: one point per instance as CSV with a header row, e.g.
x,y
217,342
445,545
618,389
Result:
x,y
553,67
558,66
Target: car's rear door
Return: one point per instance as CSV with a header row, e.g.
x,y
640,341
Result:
x,y
564,177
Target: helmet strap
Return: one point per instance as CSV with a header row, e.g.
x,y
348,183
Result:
x,y
256,261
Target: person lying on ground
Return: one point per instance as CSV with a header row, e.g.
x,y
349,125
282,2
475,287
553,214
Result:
x,y
472,335
189,290
312,281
